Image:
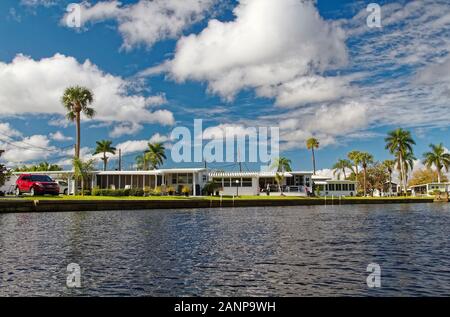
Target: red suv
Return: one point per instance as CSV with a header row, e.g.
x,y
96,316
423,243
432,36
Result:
x,y
36,185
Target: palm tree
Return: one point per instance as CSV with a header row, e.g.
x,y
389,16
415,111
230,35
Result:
x,y
389,165
399,143
155,154
105,146
366,159
312,144
438,158
355,157
340,166
282,165
76,100
81,171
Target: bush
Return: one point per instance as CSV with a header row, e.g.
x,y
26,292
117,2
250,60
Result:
x,y
186,190
170,190
210,188
138,192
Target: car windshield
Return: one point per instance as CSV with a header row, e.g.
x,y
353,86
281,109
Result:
x,y
62,183
41,178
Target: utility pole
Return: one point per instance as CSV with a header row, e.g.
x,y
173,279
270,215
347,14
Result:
x,y
120,159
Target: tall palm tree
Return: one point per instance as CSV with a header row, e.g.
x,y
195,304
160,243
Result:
x,y
438,158
341,166
155,154
76,100
355,157
81,171
366,159
389,165
312,144
400,143
105,146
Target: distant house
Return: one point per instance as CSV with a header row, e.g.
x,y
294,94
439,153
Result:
x,y
325,186
429,189
394,190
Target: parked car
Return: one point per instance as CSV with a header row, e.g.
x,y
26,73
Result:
x,y
36,185
63,186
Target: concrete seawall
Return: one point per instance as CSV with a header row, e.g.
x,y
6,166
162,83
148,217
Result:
x,y
13,205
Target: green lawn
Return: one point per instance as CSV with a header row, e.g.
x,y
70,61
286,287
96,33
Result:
x,y
262,197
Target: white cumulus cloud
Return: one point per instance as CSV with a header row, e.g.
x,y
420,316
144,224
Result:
x,y
35,86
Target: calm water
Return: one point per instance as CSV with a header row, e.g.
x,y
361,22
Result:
x,y
286,251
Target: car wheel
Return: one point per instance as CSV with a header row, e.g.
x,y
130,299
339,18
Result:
x,y
17,191
32,193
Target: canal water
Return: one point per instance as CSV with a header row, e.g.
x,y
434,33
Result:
x,y
281,251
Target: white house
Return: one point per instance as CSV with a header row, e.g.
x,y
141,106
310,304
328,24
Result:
x,y
325,186
429,189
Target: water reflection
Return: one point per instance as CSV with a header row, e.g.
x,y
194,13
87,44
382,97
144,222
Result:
x,y
297,251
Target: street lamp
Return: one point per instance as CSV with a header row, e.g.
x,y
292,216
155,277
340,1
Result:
x,y
237,188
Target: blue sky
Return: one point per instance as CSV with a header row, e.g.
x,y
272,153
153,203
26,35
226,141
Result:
x,y
313,69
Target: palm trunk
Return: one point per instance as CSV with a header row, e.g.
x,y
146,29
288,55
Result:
x,y
313,161
356,172
104,161
345,176
365,185
439,174
77,146
403,173
390,183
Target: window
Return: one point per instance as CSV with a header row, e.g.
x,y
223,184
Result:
x,y
174,178
205,178
247,182
331,187
234,183
226,182
307,181
345,187
352,187
41,178
338,187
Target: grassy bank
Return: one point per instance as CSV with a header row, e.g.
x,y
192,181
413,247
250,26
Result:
x,y
177,198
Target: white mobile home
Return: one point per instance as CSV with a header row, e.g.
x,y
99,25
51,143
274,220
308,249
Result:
x,y
429,189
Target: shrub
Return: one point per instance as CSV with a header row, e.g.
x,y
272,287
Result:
x,y
210,188
186,190
139,192
170,190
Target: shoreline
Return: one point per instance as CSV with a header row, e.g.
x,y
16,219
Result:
x,y
47,205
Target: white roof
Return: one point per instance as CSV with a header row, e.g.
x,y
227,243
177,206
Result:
x,y
247,174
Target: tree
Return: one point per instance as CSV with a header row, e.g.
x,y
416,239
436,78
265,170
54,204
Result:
x,y
425,176
281,165
340,166
355,157
82,171
312,144
155,155
389,165
105,146
400,143
76,100
438,158
4,172
41,167
366,159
